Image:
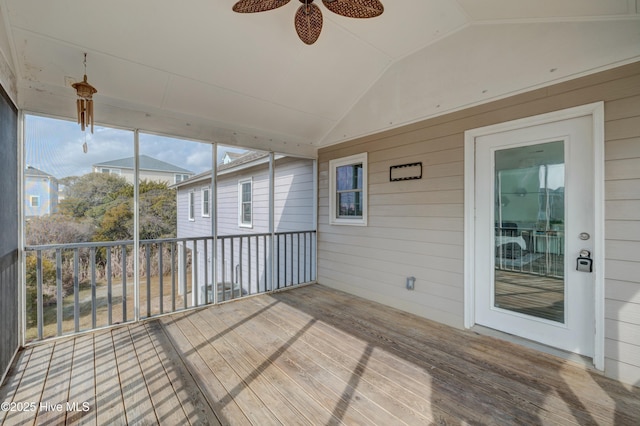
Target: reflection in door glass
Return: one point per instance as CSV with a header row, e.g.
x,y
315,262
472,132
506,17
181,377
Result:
x,y
529,230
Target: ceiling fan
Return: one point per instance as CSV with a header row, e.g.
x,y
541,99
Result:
x,y
308,19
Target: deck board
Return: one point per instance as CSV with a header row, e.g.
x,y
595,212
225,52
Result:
x,y
56,387
109,406
163,397
307,356
82,384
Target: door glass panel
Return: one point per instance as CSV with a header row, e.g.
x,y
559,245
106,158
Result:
x,y
529,230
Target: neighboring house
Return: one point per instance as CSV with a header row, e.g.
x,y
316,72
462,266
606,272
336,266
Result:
x,y
41,193
243,209
151,169
230,156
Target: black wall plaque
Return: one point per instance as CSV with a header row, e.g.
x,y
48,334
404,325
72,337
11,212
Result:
x,y
405,172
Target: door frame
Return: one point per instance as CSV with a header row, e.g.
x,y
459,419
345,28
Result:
x,y
596,111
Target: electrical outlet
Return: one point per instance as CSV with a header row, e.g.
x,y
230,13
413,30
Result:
x,y
411,283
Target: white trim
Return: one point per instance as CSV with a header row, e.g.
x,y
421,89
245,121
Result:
x,y
242,182
596,111
202,211
110,171
191,205
333,165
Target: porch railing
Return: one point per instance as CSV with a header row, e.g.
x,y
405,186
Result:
x,y
84,286
530,251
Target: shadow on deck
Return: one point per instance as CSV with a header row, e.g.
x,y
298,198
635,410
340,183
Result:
x,y
310,355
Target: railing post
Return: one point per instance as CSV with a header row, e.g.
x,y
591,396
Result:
x,y
184,275
224,267
92,259
173,276
109,288
39,299
147,253
124,283
205,296
59,299
272,229
194,274
76,291
161,277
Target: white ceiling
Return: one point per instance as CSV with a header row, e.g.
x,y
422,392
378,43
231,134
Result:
x,y
196,69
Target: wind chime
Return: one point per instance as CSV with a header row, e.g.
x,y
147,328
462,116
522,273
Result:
x,y
84,103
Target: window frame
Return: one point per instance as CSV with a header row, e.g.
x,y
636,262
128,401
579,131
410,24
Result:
x,y
180,177
334,218
205,212
241,223
35,198
110,171
191,205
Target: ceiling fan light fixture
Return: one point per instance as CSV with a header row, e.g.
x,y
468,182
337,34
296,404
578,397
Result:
x,y
308,17
308,22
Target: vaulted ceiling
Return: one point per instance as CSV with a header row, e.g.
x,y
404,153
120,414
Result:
x,y
197,69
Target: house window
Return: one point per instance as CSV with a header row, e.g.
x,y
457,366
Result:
x,y
245,201
348,189
110,171
179,178
192,196
35,201
205,202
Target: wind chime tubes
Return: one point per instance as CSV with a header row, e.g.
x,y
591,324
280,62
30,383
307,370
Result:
x,y
84,103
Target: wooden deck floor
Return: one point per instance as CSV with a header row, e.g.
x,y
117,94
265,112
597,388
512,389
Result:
x,y
305,356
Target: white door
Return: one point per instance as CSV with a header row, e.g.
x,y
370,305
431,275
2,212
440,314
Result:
x,y
534,198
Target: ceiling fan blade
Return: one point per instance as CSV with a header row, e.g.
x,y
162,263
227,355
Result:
x,y
355,8
308,22
252,6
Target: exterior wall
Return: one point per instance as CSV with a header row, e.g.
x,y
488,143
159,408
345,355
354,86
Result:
x,y
416,227
46,189
150,175
293,211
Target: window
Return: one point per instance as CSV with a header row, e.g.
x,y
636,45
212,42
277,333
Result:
x,y
245,197
35,201
192,196
348,189
179,178
205,202
111,171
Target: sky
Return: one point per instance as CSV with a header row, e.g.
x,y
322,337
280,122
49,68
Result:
x,y
56,147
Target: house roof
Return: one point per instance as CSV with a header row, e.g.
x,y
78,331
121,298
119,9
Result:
x,y
146,163
32,171
205,72
239,160
234,155
245,160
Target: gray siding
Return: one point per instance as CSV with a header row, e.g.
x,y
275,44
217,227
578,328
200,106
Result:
x,y
293,192
416,227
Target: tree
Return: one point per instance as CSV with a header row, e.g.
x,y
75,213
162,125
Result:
x,y
158,213
57,229
116,223
92,194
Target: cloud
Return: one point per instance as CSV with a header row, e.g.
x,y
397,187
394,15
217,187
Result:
x,y
55,146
